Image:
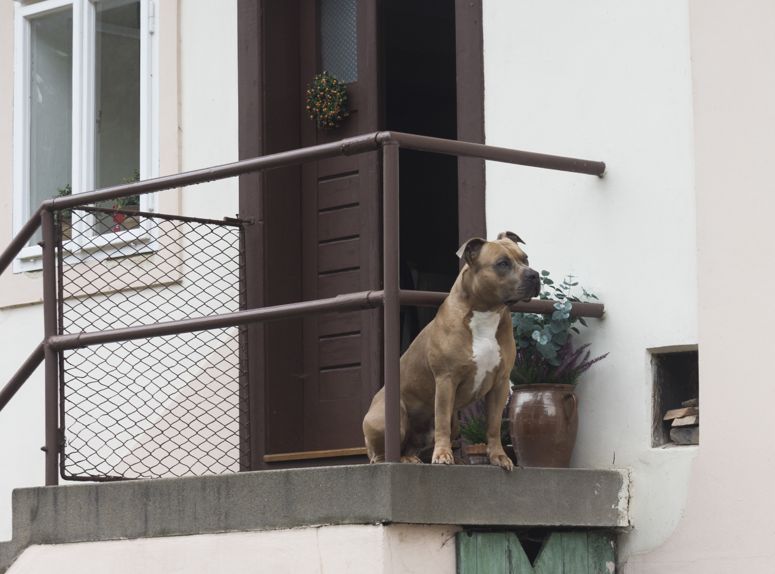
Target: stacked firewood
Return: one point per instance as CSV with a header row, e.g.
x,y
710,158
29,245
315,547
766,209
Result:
x,y
685,423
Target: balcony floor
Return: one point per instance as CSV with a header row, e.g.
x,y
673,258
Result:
x,y
278,499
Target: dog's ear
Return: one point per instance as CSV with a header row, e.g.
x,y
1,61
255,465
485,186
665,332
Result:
x,y
469,251
510,235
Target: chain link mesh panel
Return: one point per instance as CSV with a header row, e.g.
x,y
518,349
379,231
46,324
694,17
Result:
x,y
163,406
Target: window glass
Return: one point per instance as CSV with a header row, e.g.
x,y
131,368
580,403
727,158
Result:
x,y
50,107
117,106
339,38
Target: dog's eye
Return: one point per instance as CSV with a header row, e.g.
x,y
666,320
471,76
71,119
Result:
x,y
503,264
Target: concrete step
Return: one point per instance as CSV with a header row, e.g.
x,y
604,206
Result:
x,y
339,495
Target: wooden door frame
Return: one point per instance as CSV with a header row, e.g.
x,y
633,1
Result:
x,y
253,142
469,61
363,110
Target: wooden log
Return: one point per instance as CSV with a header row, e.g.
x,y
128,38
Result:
x,y
690,421
683,412
685,435
691,403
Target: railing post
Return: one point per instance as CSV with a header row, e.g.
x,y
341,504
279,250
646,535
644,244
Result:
x,y
51,356
392,308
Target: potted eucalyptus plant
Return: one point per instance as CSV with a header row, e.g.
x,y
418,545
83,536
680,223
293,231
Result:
x,y
543,410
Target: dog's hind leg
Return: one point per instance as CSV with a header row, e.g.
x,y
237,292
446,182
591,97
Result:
x,y
374,428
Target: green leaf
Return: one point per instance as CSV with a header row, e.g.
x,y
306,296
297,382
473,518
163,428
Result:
x,y
547,351
557,327
545,273
560,338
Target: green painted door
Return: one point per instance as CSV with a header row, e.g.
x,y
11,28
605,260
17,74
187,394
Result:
x,y
586,552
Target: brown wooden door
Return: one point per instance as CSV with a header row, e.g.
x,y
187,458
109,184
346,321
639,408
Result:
x,y
340,227
317,229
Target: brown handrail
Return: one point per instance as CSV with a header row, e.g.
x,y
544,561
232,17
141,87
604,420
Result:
x,y
494,153
348,302
391,310
348,146
539,306
390,298
341,303
352,301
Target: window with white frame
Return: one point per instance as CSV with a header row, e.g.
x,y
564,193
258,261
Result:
x,y
84,111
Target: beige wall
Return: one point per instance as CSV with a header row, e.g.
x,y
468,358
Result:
x,y
376,549
605,80
729,522
198,128
209,118
21,288
26,288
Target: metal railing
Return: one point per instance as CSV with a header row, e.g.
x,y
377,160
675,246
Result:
x,y
57,342
159,406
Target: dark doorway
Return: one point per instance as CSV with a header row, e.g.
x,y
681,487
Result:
x,y
420,97
419,70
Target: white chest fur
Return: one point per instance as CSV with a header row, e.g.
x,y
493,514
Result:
x,y
486,352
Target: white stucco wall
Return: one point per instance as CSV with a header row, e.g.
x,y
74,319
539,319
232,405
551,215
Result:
x,y
21,329
198,128
605,80
21,422
209,114
729,521
377,549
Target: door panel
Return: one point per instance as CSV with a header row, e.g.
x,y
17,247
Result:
x,y
339,255
339,351
303,246
340,383
338,223
350,322
341,232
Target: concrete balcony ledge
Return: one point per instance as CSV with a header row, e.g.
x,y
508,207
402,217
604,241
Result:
x,y
337,495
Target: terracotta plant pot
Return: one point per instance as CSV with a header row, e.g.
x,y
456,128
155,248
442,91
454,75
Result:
x,y
543,421
475,453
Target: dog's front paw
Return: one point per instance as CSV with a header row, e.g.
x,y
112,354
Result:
x,y
411,459
442,455
502,461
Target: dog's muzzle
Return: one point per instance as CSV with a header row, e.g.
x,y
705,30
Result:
x,y
533,282
529,287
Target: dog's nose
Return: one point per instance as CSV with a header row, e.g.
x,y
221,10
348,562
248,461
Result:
x,y
532,280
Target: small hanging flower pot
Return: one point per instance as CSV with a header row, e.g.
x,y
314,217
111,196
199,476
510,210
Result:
x,y
121,206
118,221
327,101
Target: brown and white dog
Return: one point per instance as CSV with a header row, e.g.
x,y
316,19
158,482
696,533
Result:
x,y
464,354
